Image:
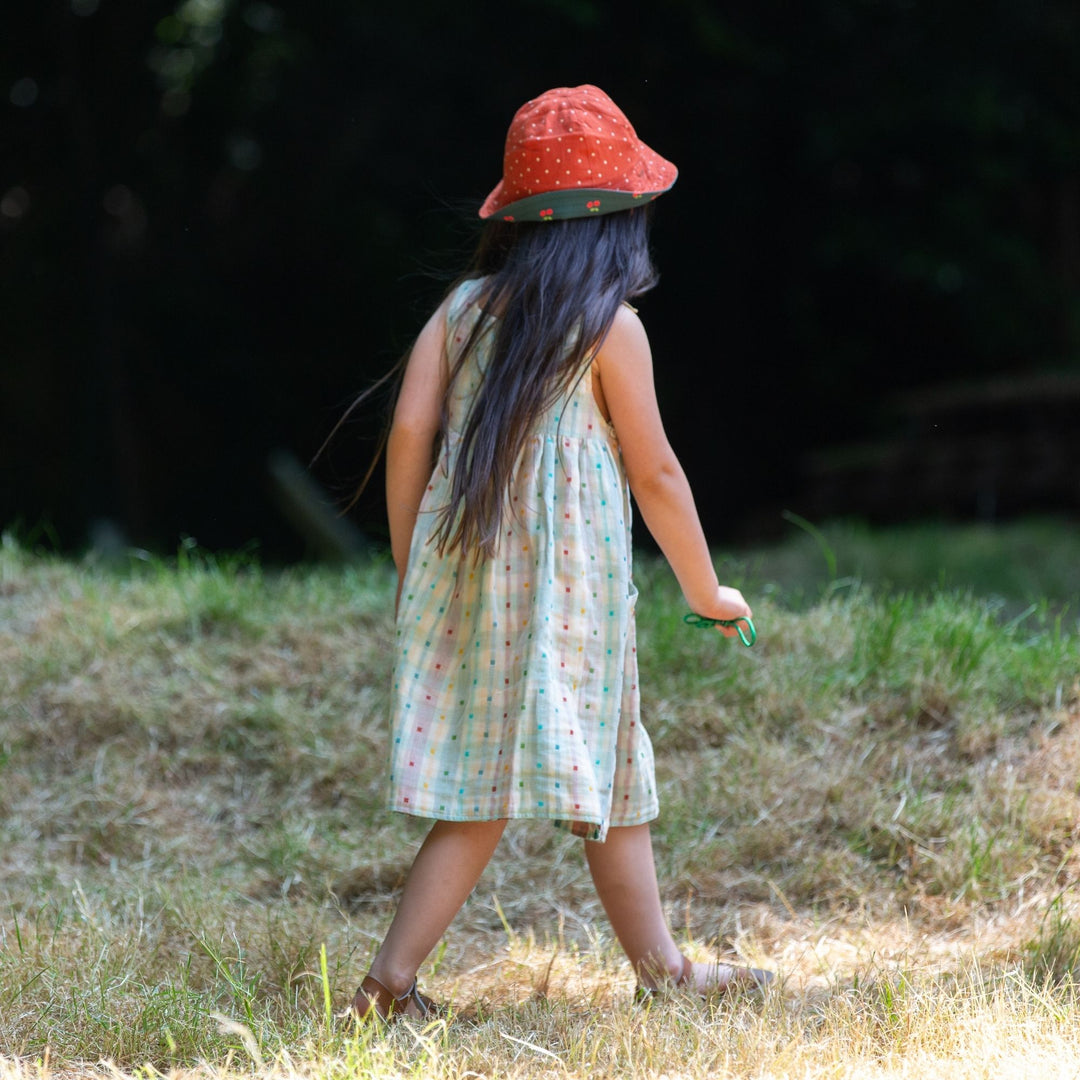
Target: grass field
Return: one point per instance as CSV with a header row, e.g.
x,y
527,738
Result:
x,y
880,801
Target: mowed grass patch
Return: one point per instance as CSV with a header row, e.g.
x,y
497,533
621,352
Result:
x,y
879,800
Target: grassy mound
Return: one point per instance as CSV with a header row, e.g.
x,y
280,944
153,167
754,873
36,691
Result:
x,y
879,800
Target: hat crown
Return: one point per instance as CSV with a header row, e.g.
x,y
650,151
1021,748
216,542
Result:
x,y
585,111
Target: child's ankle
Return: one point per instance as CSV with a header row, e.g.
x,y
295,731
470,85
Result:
x,y
397,983
655,972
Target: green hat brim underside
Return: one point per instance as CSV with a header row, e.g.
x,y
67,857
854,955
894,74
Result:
x,y
578,203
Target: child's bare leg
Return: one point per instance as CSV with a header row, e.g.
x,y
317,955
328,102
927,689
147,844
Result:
x,y
624,874
446,869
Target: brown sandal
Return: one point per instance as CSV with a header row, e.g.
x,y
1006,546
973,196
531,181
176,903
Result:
x,y
741,978
373,1000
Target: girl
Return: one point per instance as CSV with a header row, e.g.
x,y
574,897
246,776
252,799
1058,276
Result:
x,y
526,405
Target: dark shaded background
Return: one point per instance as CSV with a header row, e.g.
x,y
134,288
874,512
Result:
x,y
220,219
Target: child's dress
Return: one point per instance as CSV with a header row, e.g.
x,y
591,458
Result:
x,y
515,683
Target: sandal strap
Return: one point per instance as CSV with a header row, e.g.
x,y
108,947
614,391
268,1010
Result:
x,y
426,1006
374,997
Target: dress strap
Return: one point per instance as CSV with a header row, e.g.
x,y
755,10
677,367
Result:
x,y
461,297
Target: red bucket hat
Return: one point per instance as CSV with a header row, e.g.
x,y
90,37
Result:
x,y
571,153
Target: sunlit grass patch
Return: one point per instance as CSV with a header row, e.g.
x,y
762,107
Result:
x,y
878,800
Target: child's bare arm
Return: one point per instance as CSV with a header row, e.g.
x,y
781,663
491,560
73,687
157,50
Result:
x,y
410,447
660,487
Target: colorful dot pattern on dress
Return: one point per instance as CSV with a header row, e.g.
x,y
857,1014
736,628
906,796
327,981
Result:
x,y
516,682
571,153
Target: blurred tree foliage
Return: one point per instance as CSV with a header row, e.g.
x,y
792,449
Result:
x,y
221,218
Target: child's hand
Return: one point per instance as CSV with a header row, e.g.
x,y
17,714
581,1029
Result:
x,y
728,604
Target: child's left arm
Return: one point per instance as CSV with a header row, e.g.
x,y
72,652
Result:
x,y
410,446
624,368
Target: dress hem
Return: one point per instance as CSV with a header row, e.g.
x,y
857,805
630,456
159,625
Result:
x,y
560,821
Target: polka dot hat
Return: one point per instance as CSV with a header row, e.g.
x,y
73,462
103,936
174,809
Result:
x,y
570,153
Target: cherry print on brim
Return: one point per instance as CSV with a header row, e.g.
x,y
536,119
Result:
x,y
572,204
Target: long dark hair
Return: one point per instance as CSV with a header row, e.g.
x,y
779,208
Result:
x,y
554,289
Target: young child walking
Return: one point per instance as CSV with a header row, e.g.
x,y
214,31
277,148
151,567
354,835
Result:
x,y
526,407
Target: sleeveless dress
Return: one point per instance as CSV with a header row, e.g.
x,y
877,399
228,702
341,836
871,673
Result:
x,y
515,689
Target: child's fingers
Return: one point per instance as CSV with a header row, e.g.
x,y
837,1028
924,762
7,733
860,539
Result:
x,y
743,628
732,629
732,614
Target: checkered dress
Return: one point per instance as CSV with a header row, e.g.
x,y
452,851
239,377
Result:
x,y
516,681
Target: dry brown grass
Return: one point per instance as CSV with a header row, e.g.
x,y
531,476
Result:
x,y
879,800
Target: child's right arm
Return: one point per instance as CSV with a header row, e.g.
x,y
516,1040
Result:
x,y
410,446
624,369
